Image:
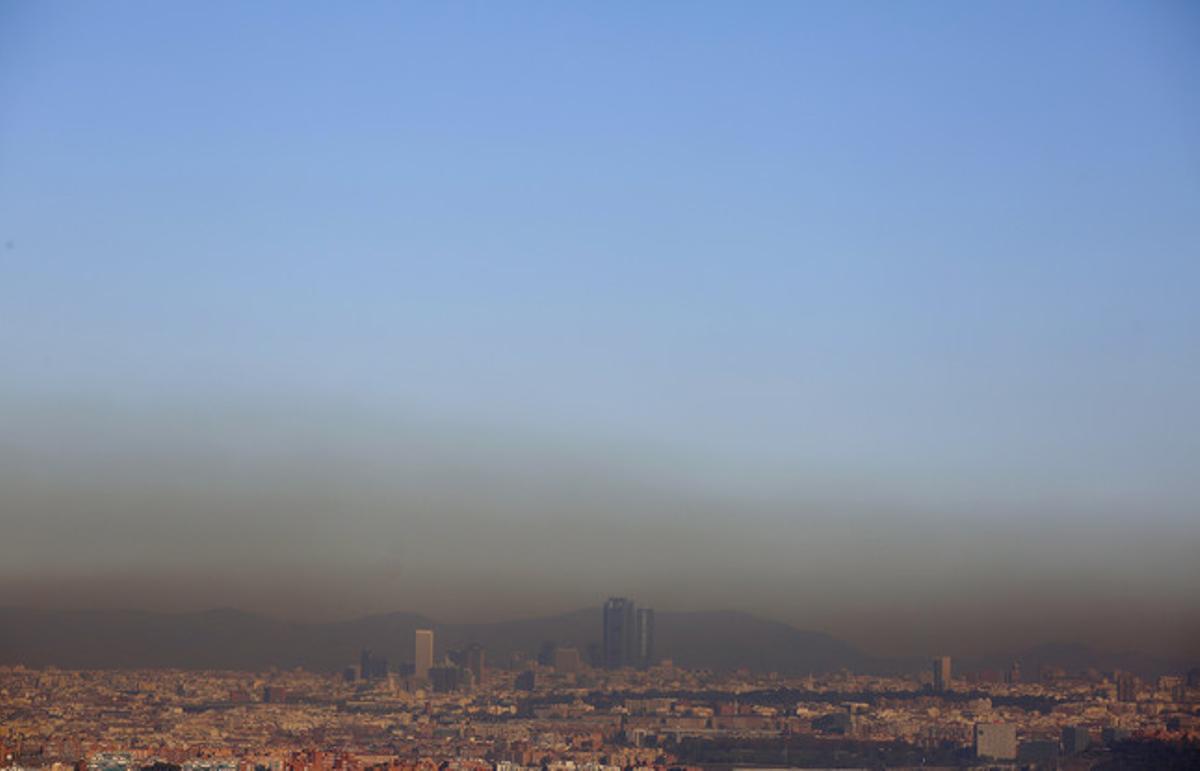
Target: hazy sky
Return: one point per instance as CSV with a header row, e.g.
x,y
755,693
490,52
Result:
x,y
878,318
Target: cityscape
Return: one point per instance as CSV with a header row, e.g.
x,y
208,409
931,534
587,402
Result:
x,y
599,385
600,704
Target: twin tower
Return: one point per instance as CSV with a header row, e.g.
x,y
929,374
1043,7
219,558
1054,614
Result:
x,y
628,640
628,634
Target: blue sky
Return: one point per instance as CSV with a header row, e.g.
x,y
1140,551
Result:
x,y
942,251
830,234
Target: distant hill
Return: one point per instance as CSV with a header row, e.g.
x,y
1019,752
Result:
x,y
231,639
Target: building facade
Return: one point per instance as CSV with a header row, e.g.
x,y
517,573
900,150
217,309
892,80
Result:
x,y
645,637
941,673
996,741
476,662
620,632
423,660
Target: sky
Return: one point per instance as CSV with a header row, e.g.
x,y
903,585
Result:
x,y
876,318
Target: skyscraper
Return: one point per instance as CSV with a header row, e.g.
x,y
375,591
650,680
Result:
x,y
619,633
941,673
475,662
423,660
645,637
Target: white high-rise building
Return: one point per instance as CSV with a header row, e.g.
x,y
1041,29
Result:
x,y
423,661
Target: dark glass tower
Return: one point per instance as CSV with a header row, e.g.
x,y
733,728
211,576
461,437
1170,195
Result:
x,y
620,633
645,637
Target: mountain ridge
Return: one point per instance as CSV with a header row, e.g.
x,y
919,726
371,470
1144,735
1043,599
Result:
x,y
230,638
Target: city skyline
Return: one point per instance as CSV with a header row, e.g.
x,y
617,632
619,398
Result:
x,y
627,386
879,322
618,711
722,641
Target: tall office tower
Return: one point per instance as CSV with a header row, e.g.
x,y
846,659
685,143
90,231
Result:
x,y
364,666
645,637
1013,675
423,660
941,673
475,662
619,632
